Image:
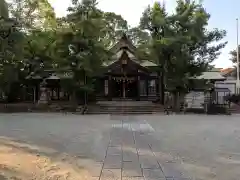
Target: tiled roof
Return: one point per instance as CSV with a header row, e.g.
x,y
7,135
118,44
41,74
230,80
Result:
x,y
216,69
146,63
227,71
117,56
123,41
211,75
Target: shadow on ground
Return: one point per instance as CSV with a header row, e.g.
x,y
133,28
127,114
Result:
x,y
21,161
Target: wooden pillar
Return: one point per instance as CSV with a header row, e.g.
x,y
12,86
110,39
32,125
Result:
x,y
138,88
109,87
162,95
147,84
34,94
124,89
157,88
101,87
58,93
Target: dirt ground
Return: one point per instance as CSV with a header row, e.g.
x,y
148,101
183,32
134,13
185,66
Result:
x,y
21,161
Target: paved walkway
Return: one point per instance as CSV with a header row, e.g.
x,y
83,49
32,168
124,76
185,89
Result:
x,y
130,155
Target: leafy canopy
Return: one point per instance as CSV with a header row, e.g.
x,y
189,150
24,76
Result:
x,y
181,43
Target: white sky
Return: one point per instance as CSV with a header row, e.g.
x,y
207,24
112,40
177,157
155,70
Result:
x,y
131,10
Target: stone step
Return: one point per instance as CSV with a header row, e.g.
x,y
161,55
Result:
x,y
126,113
99,111
128,107
125,107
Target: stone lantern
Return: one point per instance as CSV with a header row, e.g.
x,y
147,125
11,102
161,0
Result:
x,y
43,93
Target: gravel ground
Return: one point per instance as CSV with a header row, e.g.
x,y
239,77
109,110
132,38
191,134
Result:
x,y
65,146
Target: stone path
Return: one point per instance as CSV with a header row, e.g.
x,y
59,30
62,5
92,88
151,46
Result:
x,y
130,156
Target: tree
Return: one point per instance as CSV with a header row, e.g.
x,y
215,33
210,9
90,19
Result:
x,y
40,52
34,14
141,40
82,48
3,9
26,40
10,51
115,26
181,44
233,55
233,58
39,25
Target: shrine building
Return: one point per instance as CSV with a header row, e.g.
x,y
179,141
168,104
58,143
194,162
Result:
x,y
127,77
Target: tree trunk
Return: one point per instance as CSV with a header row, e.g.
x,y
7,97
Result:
x,y
162,88
181,97
176,102
73,98
85,93
178,99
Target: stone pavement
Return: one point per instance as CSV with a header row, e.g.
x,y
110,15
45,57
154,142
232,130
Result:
x,y
130,155
174,147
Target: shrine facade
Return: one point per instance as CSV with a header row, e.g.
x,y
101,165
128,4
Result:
x,y
126,77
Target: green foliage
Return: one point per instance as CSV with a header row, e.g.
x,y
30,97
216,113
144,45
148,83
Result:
x,y
115,26
81,46
233,58
233,55
34,14
35,42
40,52
3,9
182,45
37,21
10,54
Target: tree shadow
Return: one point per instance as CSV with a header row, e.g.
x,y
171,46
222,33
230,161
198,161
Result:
x,y
20,160
6,170
93,151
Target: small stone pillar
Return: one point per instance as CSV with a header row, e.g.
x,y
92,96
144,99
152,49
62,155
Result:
x,y
43,93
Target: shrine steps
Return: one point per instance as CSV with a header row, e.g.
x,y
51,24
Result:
x,y
125,107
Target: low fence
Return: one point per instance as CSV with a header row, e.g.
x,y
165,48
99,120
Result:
x,y
210,103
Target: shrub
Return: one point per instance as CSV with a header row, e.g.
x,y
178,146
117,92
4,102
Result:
x,y
235,98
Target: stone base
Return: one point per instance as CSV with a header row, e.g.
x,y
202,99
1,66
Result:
x,y
42,102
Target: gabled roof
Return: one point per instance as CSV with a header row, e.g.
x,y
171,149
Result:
x,y
124,45
132,57
124,41
227,71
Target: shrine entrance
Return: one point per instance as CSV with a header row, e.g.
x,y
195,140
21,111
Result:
x,y
125,87
125,76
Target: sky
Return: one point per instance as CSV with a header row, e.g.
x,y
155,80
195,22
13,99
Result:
x,y
223,16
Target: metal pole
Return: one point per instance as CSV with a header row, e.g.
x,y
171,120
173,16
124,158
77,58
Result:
x,y
124,89
238,84
85,93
